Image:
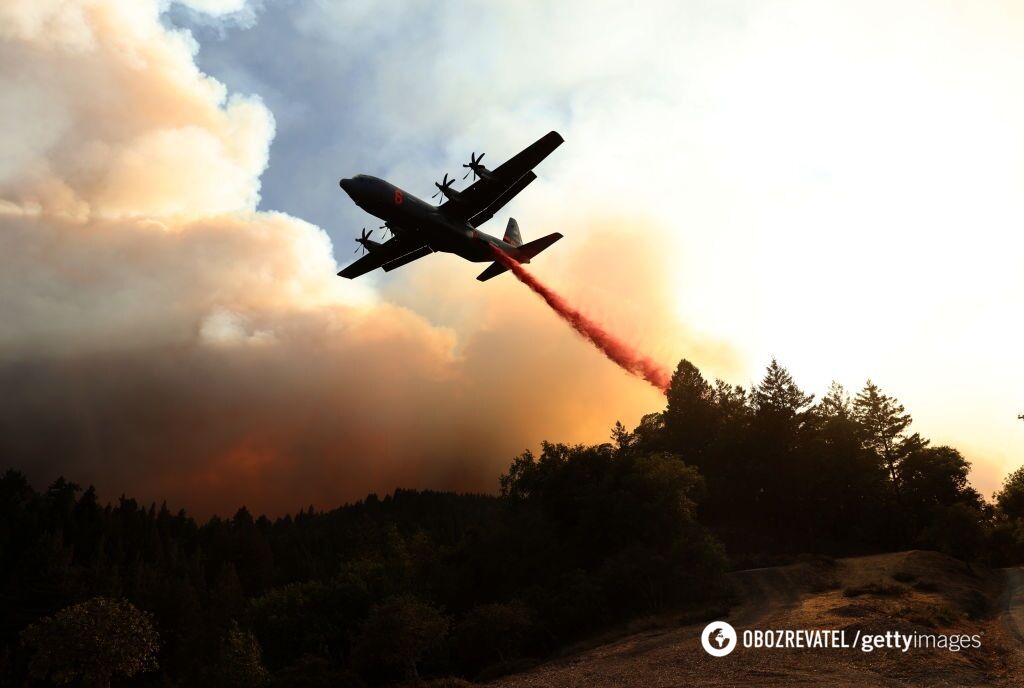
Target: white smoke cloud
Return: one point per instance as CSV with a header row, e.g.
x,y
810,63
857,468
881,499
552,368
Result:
x,y
115,119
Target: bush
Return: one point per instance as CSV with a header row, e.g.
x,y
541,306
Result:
x,y
491,634
956,530
878,589
396,636
311,671
92,642
241,660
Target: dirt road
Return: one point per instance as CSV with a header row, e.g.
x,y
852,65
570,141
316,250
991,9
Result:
x,y
909,592
1013,603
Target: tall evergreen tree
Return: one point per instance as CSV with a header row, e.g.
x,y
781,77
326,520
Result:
x,y
836,403
691,414
778,393
884,423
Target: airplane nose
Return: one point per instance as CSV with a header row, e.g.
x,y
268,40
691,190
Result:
x,y
346,184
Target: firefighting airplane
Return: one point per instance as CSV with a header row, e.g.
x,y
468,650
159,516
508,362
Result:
x,y
419,228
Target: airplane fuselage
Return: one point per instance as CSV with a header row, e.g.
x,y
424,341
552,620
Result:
x,y
405,213
420,228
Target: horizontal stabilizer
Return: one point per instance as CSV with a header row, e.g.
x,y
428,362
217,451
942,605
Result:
x,y
529,250
494,270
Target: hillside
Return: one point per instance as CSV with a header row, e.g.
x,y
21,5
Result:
x,y
910,591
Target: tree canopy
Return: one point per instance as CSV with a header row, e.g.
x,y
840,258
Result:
x,y
92,642
421,584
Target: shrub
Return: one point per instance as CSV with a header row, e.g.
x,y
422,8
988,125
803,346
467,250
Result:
x,y
92,642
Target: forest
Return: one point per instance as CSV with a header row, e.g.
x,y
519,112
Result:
x,y
421,587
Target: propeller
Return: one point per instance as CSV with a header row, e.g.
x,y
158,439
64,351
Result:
x,y
386,230
364,236
474,165
445,184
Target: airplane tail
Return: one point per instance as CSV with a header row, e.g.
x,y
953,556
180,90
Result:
x,y
523,253
512,235
528,251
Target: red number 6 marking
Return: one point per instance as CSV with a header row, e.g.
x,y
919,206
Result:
x,y
398,197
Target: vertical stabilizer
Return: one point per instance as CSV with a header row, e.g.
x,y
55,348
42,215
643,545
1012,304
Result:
x,y
512,233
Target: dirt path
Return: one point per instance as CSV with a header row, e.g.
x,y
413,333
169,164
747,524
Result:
x,y
1013,604
762,592
673,656
904,591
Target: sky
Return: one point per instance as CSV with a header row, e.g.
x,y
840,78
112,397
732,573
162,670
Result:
x,y
836,185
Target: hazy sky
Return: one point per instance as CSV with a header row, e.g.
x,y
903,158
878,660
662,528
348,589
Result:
x,y
837,185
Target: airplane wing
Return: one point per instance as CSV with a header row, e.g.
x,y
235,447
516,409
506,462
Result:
x,y
498,203
484,197
408,258
393,253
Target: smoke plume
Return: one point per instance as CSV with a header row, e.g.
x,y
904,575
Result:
x,y
620,353
162,336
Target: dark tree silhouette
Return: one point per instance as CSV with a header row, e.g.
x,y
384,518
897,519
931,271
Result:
x,y
836,403
241,660
884,422
778,394
1010,499
91,643
691,414
492,634
396,635
579,539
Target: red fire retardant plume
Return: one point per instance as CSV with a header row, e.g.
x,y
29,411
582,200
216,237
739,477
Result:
x,y
618,351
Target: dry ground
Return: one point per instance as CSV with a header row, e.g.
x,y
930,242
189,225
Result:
x,y
908,591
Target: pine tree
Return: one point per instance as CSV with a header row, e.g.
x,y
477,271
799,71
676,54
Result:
x,y
691,416
836,403
778,394
884,423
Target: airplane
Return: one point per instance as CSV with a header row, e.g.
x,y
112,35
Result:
x,y
419,228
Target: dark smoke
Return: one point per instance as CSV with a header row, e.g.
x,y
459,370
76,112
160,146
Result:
x,y
622,354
